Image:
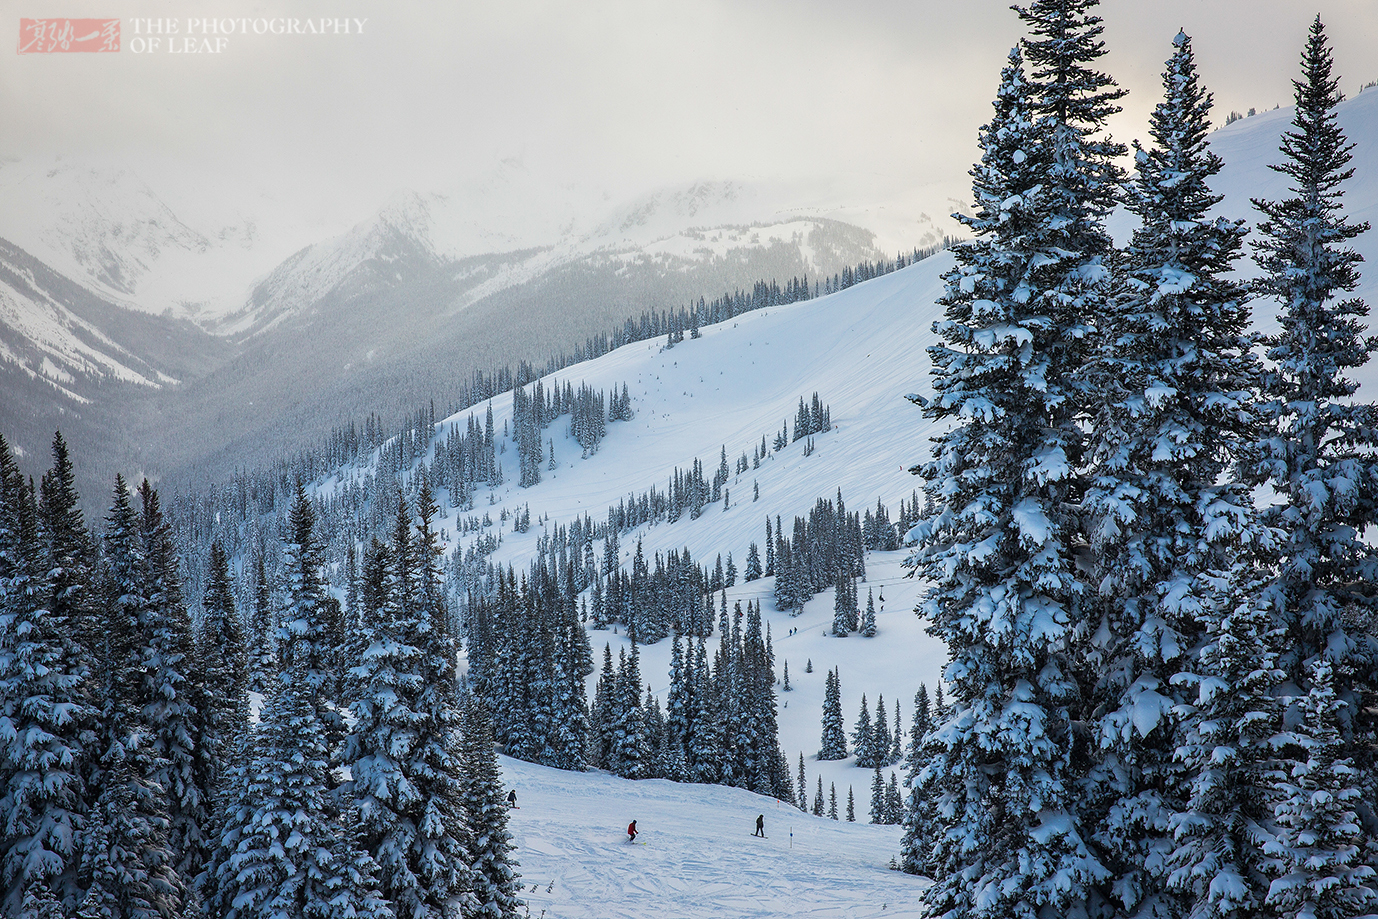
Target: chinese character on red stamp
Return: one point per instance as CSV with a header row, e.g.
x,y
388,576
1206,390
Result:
x,y
56,36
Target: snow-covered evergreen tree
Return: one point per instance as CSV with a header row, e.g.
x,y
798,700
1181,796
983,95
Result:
x,y
43,713
628,738
863,741
844,605
1001,545
868,618
263,654
834,742
877,797
126,849
169,715
491,865
917,819
1320,838
1227,739
1176,379
284,850
402,750
1319,455
222,697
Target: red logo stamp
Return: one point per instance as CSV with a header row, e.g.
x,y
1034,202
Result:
x,y
57,36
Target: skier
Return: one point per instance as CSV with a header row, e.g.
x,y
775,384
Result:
x,y
631,831
512,798
760,826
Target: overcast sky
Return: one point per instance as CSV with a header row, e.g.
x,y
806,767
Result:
x,y
624,96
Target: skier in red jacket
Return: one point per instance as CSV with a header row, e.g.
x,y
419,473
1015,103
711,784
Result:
x,y
631,831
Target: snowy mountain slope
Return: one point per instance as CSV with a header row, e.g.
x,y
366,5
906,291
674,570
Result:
x,y
859,349
699,857
43,331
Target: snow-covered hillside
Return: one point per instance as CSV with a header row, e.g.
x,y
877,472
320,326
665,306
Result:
x,y
860,350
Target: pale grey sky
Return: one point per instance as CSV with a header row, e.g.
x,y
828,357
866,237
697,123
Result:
x,y
625,95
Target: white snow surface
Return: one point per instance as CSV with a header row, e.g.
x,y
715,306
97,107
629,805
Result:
x,y
695,855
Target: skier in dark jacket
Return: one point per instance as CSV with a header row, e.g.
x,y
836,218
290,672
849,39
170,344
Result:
x,y
631,831
760,826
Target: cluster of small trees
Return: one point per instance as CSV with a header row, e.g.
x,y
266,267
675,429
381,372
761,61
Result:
x,y
720,721
825,547
1162,689
812,418
528,657
466,459
651,602
533,411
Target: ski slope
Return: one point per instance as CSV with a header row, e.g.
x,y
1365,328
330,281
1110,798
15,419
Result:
x,y
699,857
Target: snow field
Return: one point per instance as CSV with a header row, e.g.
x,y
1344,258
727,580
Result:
x,y
699,856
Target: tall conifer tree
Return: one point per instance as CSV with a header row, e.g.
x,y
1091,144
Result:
x,y
1319,454
1001,546
43,712
1177,384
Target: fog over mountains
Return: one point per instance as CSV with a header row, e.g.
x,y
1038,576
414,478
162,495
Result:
x,y
126,324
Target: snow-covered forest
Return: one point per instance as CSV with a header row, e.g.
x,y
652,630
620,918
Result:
x,y
1033,577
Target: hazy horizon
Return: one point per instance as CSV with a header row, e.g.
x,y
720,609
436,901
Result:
x,y
599,103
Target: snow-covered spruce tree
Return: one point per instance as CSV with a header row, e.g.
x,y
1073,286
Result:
x,y
762,764
628,738
222,662
67,548
917,819
877,797
753,563
868,618
307,638
844,605
402,749
43,713
709,729
1319,454
263,651
834,742
1176,380
284,851
491,865
1001,545
127,855
1320,838
169,714
1227,729
862,739
571,665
